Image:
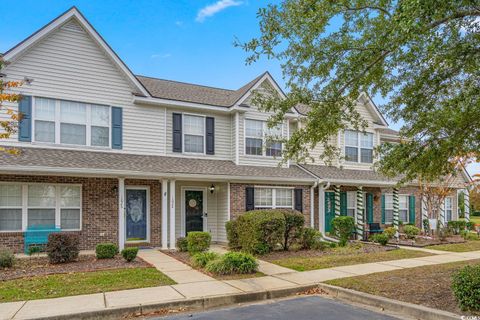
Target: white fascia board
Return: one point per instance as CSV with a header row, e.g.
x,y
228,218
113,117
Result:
x,y
53,25
182,104
266,76
90,172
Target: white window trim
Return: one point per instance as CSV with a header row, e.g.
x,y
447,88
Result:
x,y
204,133
445,208
274,198
15,207
358,146
148,226
263,138
408,208
57,121
58,207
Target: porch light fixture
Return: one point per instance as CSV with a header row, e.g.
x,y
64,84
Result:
x,y
212,188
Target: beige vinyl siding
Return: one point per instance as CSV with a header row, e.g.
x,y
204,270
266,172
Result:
x,y
68,64
216,208
223,142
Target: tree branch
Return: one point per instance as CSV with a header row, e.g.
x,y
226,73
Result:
x,y
385,11
457,15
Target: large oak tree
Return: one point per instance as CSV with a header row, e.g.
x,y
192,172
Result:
x,y
422,56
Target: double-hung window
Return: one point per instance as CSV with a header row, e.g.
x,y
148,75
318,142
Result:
x,y
358,146
351,203
258,135
43,204
194,133
448,208
71,123
403,208
10,207
272,198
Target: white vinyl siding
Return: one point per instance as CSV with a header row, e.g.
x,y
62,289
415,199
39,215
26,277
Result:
x,y
26,205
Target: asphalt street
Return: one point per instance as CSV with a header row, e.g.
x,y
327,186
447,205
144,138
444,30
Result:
x,y
302,308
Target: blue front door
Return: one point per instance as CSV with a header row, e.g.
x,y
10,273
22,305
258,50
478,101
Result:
x,y
136,214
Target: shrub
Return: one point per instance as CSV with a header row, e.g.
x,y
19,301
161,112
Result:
x,y
390,232
470,225
182,244
129,254
63,247
426,225
34,249
465,286
381,238
106,250
260,231
343,227
332,245
7,258
200,259
232,234
456,226
310,239
411,231
294,222
198,241
233,263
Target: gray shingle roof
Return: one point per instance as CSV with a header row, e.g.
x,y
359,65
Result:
x,y
388,131
94,161
335,173
187,92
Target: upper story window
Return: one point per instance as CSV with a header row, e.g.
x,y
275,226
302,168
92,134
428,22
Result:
x,y
72,123
403,208
358,146
194,133
257,135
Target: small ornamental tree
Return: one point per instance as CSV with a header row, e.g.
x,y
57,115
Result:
x,y
10,125
343,227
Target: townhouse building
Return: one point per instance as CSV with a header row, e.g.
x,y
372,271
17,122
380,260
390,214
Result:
x,y
135,160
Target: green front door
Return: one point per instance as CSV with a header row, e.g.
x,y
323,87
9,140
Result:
x,y
329,210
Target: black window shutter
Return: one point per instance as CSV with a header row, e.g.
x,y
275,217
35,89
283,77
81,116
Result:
x,y
210,135
249,198
177,132
298,199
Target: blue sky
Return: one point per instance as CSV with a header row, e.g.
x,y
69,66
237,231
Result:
x,y
184,40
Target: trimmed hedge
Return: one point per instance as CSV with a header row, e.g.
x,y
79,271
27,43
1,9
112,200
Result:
x,y
411,231
106,250
129,254
466,287
198,241
63,247
182,244
232,234
260,231
381,238
294,221
233,263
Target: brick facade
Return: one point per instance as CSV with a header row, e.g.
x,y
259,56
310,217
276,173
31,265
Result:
x,y
237,199
99,209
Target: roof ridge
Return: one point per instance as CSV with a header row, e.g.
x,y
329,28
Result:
x,y
187,83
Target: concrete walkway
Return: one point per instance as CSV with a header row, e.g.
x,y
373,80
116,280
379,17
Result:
x,y
192,284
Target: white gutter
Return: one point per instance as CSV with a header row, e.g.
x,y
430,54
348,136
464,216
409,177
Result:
x,y
312,204
146,175
184,104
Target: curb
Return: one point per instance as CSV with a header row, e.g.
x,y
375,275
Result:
x,y
399,307
193,304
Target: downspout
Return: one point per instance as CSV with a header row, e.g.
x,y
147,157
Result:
x,y
312,203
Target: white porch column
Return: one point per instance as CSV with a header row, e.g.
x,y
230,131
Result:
x,y
466,203
360,215
424,210
336,189
312,205
164,214
321,209
172,215
121,213
396,212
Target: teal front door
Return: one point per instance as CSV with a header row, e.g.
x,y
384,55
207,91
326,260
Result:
x,y
329,210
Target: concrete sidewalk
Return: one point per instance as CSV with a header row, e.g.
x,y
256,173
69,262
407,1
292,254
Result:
x,y
193,285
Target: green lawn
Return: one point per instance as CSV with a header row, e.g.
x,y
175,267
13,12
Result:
x,y
60,285
458,247
475,219
345,258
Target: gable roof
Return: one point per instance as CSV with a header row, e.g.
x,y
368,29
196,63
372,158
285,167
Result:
x,y
187,92
74,13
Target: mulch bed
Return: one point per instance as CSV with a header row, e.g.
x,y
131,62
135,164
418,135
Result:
x,y
39,266
357,248
424,242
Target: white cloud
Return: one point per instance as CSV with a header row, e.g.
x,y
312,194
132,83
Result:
x,y
179,23
215,8
160,56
